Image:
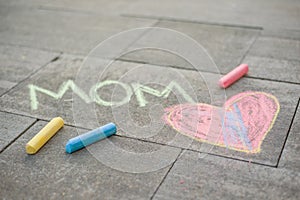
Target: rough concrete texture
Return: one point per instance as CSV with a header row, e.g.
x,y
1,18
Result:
x,y
290,158
226,45
269,14
12,126
52,173
18,63
47,69
196,176
144,122
270,55
57,31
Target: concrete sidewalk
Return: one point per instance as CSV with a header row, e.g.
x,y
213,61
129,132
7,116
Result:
x,y
48,69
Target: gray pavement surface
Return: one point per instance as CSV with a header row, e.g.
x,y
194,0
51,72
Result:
x,y
48,69
52,174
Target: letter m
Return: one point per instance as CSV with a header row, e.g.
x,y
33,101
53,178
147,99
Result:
x,y
64,87
140,89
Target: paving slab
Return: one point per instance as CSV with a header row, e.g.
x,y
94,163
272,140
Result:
x,y
290,159
273,68
282,33
225,45
17,63
52,173
133,164
50,78
103,7
274,140
52,90
11,127
274,47
270,55
228,47
268,14
211,177
69,32
111,95
25,54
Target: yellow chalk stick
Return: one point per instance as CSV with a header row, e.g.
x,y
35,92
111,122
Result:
x,y
44,135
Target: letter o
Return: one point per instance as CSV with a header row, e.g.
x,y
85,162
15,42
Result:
x,y
95,97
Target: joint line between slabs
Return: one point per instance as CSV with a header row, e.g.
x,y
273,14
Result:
x,y
250,46
32,74
143,140
192,21
11,142
288,133
205,71
180,153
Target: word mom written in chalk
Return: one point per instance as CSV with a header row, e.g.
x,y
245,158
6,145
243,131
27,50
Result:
x,y
134,88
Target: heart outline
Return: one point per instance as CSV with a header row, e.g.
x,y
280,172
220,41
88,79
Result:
x,y
170,111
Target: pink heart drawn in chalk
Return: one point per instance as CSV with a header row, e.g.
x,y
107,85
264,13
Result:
x,y
241,125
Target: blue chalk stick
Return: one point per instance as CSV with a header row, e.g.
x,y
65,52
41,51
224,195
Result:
x,y
91,137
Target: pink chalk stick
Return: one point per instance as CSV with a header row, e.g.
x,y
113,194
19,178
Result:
x,y
233,76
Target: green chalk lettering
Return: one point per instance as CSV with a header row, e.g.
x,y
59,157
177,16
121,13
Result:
x,y
139,90
95,97
33,89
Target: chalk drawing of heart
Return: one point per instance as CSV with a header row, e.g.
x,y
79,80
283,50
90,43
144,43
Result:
x,y
241,125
